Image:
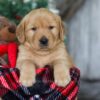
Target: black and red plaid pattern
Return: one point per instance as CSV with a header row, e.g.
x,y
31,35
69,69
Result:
x,y
43,89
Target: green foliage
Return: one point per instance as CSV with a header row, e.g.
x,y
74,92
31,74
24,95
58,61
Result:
x,y
16,9
41,3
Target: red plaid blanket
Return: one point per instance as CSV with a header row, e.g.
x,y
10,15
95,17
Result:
x,y
43,89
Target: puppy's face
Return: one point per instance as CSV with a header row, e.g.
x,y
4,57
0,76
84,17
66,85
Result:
x,y
41,29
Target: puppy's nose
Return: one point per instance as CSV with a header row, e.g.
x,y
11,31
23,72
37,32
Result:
x,y
44,41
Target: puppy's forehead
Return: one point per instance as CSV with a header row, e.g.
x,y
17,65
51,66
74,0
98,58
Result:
x,y
41,12
42,16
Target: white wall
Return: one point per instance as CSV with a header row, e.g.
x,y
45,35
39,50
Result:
x,y
84,39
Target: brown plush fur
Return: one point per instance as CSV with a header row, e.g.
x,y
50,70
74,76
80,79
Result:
x,y
36,24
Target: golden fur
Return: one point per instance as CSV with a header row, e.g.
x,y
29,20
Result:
x,y
34,25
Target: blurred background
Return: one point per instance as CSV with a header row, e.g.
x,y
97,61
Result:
x,y
81,19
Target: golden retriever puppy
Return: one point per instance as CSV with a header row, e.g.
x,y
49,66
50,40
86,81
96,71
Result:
x,y
41,37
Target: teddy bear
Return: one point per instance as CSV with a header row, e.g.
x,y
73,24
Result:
x,y
7,34
7,30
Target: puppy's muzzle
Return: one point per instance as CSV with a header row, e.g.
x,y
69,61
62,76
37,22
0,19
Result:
x,y
43,41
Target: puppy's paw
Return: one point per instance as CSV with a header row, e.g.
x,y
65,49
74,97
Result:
x,y
27,82
27,75
62,80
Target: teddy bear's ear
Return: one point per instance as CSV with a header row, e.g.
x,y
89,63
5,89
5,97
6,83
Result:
x,y
3,22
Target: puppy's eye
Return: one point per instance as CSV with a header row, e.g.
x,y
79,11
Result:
x,y
34,28
51,27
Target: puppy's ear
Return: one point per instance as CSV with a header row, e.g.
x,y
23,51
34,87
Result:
x,y
61,33
61,27
20,31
